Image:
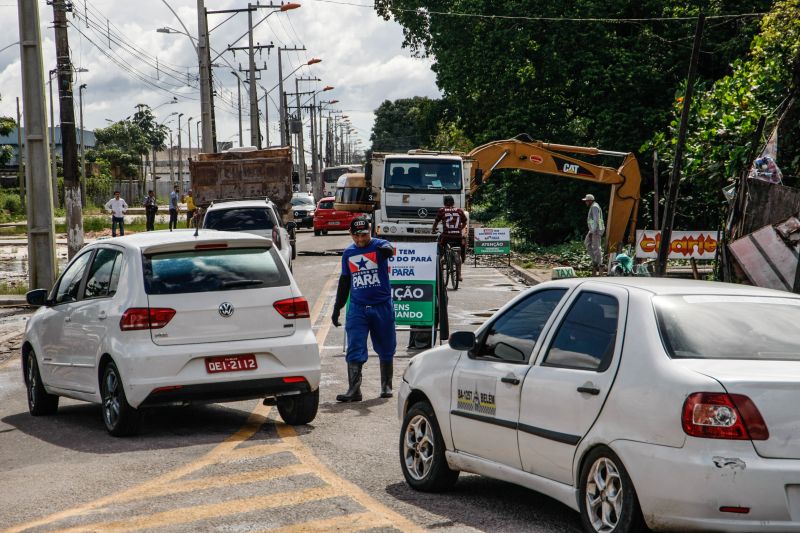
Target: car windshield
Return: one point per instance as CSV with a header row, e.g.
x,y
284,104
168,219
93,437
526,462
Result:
x,y
326,205
423,175
213,270
239,219
729,327
302,200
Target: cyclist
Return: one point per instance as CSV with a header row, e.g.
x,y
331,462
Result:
x,y
453,222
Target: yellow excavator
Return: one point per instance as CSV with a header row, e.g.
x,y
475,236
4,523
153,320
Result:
x,y
356,192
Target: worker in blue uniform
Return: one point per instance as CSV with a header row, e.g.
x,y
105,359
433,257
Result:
x,y
365,279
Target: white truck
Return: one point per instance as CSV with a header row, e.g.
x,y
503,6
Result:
x,y
405,191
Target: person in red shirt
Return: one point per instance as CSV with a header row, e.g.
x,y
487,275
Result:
x,y
453,222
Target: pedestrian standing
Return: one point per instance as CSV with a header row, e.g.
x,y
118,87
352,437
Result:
x,y
190,207
594,237
365,279
117,207
150,210
173,209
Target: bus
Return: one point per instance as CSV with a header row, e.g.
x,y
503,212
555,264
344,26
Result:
x,y
331,174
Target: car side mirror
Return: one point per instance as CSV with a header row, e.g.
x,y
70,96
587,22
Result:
x,y
37,297
462,340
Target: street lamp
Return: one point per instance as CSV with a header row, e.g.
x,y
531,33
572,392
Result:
x,y
173,101
282,94
239,102
83,145
180,152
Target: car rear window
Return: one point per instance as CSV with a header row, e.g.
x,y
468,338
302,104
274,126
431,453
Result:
x,y
239,219
326,205
729,327
213,270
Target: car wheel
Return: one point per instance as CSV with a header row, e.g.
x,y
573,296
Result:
x,y
40,402
608,501
299,409
422,451
317,233
120,418
324,232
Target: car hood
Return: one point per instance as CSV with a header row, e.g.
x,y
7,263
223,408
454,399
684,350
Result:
x,y
774,388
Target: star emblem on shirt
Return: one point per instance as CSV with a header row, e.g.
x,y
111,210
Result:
x,y
362,264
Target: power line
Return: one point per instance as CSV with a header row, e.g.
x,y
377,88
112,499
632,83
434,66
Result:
x,y
423,11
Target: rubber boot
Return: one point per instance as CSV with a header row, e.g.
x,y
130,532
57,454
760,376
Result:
x,y
387,369
353,393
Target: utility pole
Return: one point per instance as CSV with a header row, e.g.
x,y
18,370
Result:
x,y
83,143
266,120
41,233
282,94
54,168
20,156
171,163
72,185
189,133
205,78
315,181
239,100
674,182
179,182
301,154
255,138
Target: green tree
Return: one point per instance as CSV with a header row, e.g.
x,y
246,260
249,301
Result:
x,y
724,116
122,145
406,124
579,82
7,125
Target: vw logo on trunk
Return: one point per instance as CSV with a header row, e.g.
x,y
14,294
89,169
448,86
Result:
x,y
225,309
422,213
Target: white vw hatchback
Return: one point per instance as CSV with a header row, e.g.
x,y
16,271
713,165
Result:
x,y
169,318
635,401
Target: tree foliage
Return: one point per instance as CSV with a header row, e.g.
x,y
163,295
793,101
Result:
x,y
405,124
7,125
587,83
122,146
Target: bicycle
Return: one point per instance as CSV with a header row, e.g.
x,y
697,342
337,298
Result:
x,y
449,262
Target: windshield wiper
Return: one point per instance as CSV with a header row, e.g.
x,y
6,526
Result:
x,y
399,186
242,283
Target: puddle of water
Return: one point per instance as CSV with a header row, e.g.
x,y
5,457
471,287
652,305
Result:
x,y
482,314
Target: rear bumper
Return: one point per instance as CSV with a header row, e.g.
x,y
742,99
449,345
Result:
x,y
304,222
226,391
683,489
331,225
146,367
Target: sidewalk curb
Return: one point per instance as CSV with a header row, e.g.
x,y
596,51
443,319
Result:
x,y
527,275
12,299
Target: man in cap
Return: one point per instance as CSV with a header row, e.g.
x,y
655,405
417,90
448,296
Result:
x,y
365,279
595,235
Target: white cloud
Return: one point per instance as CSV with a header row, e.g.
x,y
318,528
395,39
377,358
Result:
x,y
361,53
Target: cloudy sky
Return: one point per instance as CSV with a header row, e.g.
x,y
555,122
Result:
x,y
361,57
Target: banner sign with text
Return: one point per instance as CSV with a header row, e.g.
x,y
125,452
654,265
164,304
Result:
x,y
684,245
412,273
492,241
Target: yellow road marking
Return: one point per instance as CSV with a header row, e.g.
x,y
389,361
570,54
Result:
x,y
196,513
323,295
253,452
253,424
341,485
212,482
348,522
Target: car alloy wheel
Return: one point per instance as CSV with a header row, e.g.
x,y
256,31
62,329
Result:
x,y
111,405
604,495
120,418
418,447
40,402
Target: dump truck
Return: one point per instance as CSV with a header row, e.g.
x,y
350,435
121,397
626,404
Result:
x,y
244,173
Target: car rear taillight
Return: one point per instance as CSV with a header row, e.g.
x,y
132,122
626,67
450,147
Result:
x,y
714,415
292,308
276,237
137,318
294,379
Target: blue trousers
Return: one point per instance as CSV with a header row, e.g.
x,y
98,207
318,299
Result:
x,y
378,322
117,221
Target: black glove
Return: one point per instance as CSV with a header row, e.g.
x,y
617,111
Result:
x,y
335,317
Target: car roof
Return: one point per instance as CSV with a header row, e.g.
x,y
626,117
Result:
x,y
183,239
229,204
659,286
328,199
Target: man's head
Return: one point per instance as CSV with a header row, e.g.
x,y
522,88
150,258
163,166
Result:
x,y
189,192
150,192
588,199
177,188
116,195
359,231
448,201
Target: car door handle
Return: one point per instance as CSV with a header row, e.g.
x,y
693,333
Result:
x,y
594,391
510,379
101,315
67,319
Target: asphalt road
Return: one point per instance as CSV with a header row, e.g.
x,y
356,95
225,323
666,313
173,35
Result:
x,y
235,466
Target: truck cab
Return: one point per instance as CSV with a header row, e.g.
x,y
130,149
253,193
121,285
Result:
x,y
411,189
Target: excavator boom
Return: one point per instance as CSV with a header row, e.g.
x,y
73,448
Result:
x,y
551,159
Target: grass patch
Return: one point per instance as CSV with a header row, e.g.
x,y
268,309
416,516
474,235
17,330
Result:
x,y
13,288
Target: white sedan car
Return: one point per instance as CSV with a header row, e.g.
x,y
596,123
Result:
x,y
635,401
170,318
